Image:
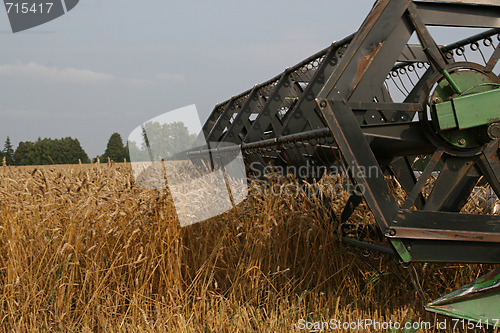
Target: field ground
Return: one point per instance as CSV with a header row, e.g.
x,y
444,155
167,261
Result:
x,y
83,249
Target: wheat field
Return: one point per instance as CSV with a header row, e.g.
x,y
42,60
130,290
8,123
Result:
x,y
83,249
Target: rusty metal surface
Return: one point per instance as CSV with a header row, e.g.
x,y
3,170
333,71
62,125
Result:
x,y
443,235
445,226
457,14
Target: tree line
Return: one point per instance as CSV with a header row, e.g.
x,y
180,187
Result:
x,y
156,140
59,151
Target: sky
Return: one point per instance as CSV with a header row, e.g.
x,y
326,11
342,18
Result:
x,y
109,65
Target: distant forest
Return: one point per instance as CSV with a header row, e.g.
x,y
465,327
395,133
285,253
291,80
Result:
x,y
161,140
59,151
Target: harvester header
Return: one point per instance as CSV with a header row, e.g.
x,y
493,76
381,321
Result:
x,y
411,108
391,100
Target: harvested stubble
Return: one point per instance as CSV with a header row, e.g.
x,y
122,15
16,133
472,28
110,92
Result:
x,y
84,249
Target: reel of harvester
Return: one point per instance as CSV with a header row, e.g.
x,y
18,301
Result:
x,y
374,101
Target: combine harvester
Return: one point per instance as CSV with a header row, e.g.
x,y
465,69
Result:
x,y
386,103
377,100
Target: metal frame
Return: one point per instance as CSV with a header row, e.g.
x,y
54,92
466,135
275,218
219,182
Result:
x,y
335,107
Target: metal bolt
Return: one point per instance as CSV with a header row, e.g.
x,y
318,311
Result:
x,y
437,100
322,104
494,131
392,232
462,142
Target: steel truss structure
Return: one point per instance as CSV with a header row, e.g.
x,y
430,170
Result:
x,y
374,99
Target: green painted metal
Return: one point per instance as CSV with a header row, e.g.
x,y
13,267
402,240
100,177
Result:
x,y
470,110
401,249
452,82
444,115
477,109
477,301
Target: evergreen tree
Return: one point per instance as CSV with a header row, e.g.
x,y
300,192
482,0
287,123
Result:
x,y
115,149
8,152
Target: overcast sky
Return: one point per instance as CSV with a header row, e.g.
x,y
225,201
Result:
x,y
109,65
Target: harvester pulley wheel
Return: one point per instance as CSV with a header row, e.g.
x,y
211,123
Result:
x,y
459,137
